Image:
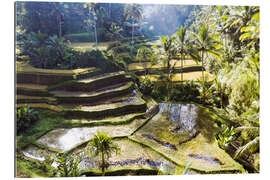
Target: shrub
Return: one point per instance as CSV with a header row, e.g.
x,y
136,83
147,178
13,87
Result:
x,y
47,51
68,165
25,117
95,58
187,91
146,86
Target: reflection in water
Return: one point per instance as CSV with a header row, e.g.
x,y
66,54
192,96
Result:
x,y
140,160
209,159
92,163
183,119
166,144
183,116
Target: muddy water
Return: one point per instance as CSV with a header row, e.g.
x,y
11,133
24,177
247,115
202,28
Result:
x,y
131,155
186,133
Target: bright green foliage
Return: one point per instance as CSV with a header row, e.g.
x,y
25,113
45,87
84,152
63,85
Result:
x,y
103,146
226,136
25,117
67,165
205,44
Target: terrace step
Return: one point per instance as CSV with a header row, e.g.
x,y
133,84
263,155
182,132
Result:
x,y
32,89
92,83
112,120
187,76
132,105
30,75
35,99
120,89
164,70
42,106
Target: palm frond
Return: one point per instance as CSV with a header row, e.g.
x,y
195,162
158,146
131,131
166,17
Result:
x,y
250,147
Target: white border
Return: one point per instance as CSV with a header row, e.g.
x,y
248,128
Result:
x,y
7,87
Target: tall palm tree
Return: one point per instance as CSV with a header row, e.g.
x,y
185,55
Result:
x,y
205,45
183,46
102,145
133,11
169,51
58,11
92,12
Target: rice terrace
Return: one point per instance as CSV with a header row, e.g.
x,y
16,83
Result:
x,y
111,89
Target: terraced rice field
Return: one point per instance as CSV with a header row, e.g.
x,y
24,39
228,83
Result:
x,y
84,46
196,76
149,140
148,65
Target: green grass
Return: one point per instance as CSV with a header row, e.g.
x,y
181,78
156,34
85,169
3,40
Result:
x,y
29,169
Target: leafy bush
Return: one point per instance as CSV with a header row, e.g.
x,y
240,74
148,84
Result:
x,y
146,86
226,136
187,91
95,58
67,165
25,117
47,51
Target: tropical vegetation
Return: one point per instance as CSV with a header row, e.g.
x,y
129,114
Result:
x,y
222,44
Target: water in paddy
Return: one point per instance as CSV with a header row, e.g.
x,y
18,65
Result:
x,y
182,132
186,133
182,119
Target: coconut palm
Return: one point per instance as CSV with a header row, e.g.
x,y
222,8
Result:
x,y
102,145
184,47
133,11
92,12
167,54
205,45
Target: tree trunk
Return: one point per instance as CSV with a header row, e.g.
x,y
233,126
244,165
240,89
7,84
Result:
x,y
203,81
132,42
59,25
96,34
182,66
110,9
103,163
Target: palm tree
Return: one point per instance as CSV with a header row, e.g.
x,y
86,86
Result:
x,y
183,46
169,51
59,10
205,45
92,12
143,54
102,145
133,11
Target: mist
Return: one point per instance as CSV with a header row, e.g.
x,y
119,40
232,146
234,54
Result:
x,y
164,19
